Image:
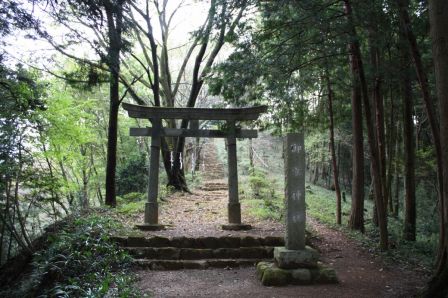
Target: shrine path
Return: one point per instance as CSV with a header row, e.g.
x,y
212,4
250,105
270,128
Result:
x,y
202,213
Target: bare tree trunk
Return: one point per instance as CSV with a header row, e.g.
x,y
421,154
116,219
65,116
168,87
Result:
x,y
409,155
379,116
114,13
7,185
333,154
397,192
391,146
424,85
438,11
376,174
357,208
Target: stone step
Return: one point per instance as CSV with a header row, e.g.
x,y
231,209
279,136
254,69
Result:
x,y
174,253
213,183
214,186
210,189
195,264
201,242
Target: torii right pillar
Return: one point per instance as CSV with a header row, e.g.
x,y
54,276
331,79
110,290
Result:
x,y
234,206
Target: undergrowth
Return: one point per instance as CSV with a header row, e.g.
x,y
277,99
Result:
x,y
81,261
260,193
321,205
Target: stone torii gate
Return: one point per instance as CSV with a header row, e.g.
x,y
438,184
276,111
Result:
x,y
157,114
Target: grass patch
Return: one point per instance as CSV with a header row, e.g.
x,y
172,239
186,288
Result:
x,y
259,209
321,205
131,208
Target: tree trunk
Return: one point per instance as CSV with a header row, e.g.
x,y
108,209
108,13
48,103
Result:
x,y
409,155
397,176
438,10
111,163
397,192
379,114
176,177
424,85
357,208
333,154
355,52
114,21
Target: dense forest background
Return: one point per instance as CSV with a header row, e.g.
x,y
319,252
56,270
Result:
x,y
365,81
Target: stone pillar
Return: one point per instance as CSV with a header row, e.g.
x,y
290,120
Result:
x,y
152,206
295,191
234,206
295,254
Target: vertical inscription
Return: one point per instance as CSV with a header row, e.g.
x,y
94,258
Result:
x,y
295,191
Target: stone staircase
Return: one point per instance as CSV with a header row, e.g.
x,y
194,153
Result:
x,y
212,167
177,253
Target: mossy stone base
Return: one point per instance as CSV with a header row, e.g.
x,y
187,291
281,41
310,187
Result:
x,y
293,259
271,275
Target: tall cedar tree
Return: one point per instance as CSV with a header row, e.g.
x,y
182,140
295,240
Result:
x,y
355,53
114,15
438,11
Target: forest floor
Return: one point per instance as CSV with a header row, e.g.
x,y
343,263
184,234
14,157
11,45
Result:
x,y
202,213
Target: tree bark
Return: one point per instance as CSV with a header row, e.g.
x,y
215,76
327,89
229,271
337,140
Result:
x,y
379,111
357,207
438,10
424,85
333,154
114,13
355,52
409,154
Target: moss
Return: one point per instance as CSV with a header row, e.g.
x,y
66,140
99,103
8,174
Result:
x,y
301,276
275,277
261,268
325,275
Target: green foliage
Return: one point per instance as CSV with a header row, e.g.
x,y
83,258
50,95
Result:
x,y
131,203
259,184
316,147
321,205
83,261
21,104
266,209
85,76
131,208
14,16
263,198
132,174
132,197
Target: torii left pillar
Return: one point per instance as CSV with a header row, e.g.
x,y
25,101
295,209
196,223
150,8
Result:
x,y
152,206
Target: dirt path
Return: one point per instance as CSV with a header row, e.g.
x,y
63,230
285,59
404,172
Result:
x,y
202,213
